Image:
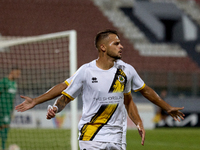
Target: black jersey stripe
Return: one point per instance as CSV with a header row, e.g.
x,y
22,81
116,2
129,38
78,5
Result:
x,y
103,115
119,82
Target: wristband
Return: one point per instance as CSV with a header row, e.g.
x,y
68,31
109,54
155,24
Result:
x,y
138,127
56,107
51,107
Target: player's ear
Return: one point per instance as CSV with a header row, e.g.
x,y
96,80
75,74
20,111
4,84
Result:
x,y
103,47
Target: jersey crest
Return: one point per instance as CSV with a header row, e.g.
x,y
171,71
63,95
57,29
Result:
x,y
119,82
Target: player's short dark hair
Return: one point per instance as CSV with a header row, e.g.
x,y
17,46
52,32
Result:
x,y
103,34
15,68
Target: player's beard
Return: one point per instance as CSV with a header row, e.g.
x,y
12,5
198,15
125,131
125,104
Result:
x,y
112,55
117,57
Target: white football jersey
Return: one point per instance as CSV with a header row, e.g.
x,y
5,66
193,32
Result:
x,y
103,99
137,84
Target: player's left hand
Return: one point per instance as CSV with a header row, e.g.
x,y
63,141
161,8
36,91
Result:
x,y
175,113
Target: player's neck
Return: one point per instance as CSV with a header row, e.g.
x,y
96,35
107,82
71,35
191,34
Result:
x,y
104,63
10,77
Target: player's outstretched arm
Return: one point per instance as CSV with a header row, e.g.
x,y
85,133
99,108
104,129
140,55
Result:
x,y
58,106
134,115
152,96
29,103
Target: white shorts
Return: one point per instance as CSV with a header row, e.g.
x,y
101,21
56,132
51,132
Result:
x,y
94,145
123,146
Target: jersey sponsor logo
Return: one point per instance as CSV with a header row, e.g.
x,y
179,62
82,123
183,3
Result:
x,y
119,82
12,90
109,98
89,130
6,119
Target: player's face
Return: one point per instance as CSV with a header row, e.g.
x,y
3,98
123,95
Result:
x,y
114,47
16,74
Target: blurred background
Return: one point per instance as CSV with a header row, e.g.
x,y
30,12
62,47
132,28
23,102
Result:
x,y
160,37
161,40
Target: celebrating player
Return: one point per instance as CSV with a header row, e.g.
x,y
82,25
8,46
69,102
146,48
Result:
x,y
105,86
92,81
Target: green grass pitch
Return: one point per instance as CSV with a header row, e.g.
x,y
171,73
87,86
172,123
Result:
x,y
165,139
59,139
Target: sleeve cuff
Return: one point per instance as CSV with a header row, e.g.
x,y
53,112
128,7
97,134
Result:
x,y
127,93
66,82
70,97
140,88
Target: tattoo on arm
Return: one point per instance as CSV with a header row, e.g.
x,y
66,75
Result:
x,y
62,102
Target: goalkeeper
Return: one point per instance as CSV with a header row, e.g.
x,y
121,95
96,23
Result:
x,y
8,89
110,50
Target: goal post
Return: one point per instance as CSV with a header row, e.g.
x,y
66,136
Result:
x,y
45,60
74,105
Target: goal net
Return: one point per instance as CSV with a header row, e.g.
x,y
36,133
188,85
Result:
x,y
44,61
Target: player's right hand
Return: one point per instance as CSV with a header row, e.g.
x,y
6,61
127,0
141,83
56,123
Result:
x,y
142,133
27,104
51,112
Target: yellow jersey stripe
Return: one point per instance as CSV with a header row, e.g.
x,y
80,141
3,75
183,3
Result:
x,y
103,115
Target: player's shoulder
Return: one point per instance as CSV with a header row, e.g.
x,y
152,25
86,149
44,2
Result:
x,y
122,64
127,68
4,79
87,66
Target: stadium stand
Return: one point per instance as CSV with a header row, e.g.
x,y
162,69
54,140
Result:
x,y
171,57
33,17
